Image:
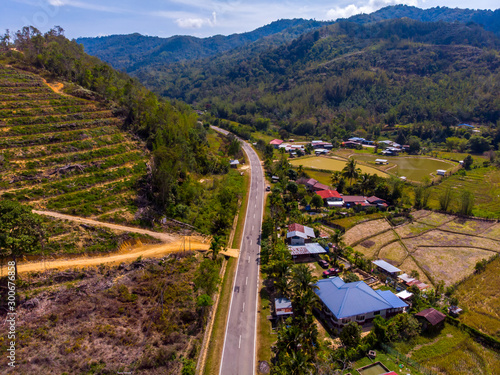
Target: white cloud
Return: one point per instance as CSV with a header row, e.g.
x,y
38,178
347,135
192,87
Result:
x,y
367,7
196,23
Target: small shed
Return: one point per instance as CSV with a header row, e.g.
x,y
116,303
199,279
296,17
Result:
x,y
441,172
386,268
381,161
404,295
283,307
431,318
234,163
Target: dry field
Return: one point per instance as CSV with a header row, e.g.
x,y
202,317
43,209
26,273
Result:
x,y
365,230
449,264
474,227
393,253
371,247
435,219
444,247
493,232
412,229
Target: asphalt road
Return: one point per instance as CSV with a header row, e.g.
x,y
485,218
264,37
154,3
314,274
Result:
x,y
238,354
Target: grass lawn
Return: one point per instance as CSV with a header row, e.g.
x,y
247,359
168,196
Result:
x,y
392,363
451,351
241,214
349,222
414,168
318,162
483,182
265,336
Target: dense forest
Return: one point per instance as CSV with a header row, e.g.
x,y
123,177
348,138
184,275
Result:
x,y
348,78
171,131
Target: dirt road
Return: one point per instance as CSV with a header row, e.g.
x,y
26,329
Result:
x,y
164,237
125,254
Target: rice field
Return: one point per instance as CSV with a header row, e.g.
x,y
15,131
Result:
x,y
412,229
371,247
365,230
492,232
449,265
479,296
435,219
328,163
475,227
451,352
414,168
393,253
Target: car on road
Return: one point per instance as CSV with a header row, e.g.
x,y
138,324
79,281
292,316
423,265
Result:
x,y
331,272
323,263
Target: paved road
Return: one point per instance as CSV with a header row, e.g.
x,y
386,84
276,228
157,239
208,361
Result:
x,y
238,354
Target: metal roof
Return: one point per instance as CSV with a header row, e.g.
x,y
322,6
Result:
x,y
386,266
306,249
351,299
282,303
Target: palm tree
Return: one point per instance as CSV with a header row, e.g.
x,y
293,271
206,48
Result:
x,y
302,279
365,183
338,245
350,171
216,246
335,178
300,170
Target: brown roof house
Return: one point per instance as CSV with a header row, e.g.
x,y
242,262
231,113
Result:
x,y
431,319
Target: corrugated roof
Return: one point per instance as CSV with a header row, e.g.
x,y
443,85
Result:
x,y
306,249
329,194
276,142
386,266
301,228
432,316
282,303
296,233
346,300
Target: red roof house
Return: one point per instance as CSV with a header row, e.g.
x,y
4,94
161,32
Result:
x,y
276,142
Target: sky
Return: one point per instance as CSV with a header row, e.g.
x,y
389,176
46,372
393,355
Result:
x,y
200,18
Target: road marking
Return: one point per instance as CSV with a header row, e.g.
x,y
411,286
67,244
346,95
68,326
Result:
x,y
243,306
239,343
254,216
253,227
250,242
249,259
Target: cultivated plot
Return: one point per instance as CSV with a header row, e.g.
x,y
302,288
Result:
x,y
393,253
365,230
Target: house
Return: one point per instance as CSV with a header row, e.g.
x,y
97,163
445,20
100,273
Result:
x,y
350,144
276,143
381,161
406,279
306,250
431,319
356,139
299,234
319,186
466,126
375,201
283,307
332,198
357,302
404,295
386,268
308,182
420,285
234,163
454,311
321,144
321,151
441,172
353,200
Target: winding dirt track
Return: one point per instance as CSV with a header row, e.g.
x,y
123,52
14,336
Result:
x,y
164,237
127,253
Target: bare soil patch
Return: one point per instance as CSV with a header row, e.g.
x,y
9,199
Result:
x,y
412,229
394,253
492,232
436,219
365,230
474,227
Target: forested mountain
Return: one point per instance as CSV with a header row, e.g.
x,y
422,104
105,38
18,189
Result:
x,y
133,51
346,77
489,19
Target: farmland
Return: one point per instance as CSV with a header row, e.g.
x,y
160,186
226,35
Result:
x,y
484,182
414,168
332,164
440,247
65,154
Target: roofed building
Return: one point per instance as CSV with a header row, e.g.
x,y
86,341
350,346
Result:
x,y
332,198
276,143
356,302
431,318
283,307
299,234
386,268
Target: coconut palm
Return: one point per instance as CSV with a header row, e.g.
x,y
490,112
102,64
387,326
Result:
x,y
335,178
216,246
350,171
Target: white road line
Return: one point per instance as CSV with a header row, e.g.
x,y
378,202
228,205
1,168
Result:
x,y
254,216
253,227
243,306
250,242
246,281
239,343
249,259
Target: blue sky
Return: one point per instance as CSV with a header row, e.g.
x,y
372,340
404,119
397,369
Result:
x,y
188,17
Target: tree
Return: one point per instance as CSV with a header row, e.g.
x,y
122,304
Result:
x,y
466,202
350,171
317,201
216,246
21,231
444,199
468,162
341,186
478,144
351,335
414,145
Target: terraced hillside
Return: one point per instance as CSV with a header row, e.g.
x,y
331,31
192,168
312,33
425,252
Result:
x,y
63,153
439,247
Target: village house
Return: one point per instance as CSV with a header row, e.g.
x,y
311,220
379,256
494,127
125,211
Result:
x,y
355,302
283,307
431,319
386,268
331,198
276,143
299,234
312,185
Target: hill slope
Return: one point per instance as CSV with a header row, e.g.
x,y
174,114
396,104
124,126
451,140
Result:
x,y
133,51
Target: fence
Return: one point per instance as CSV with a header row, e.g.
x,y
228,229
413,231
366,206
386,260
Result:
x,y
403,358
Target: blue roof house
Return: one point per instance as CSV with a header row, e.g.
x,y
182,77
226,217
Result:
x,y
355,302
